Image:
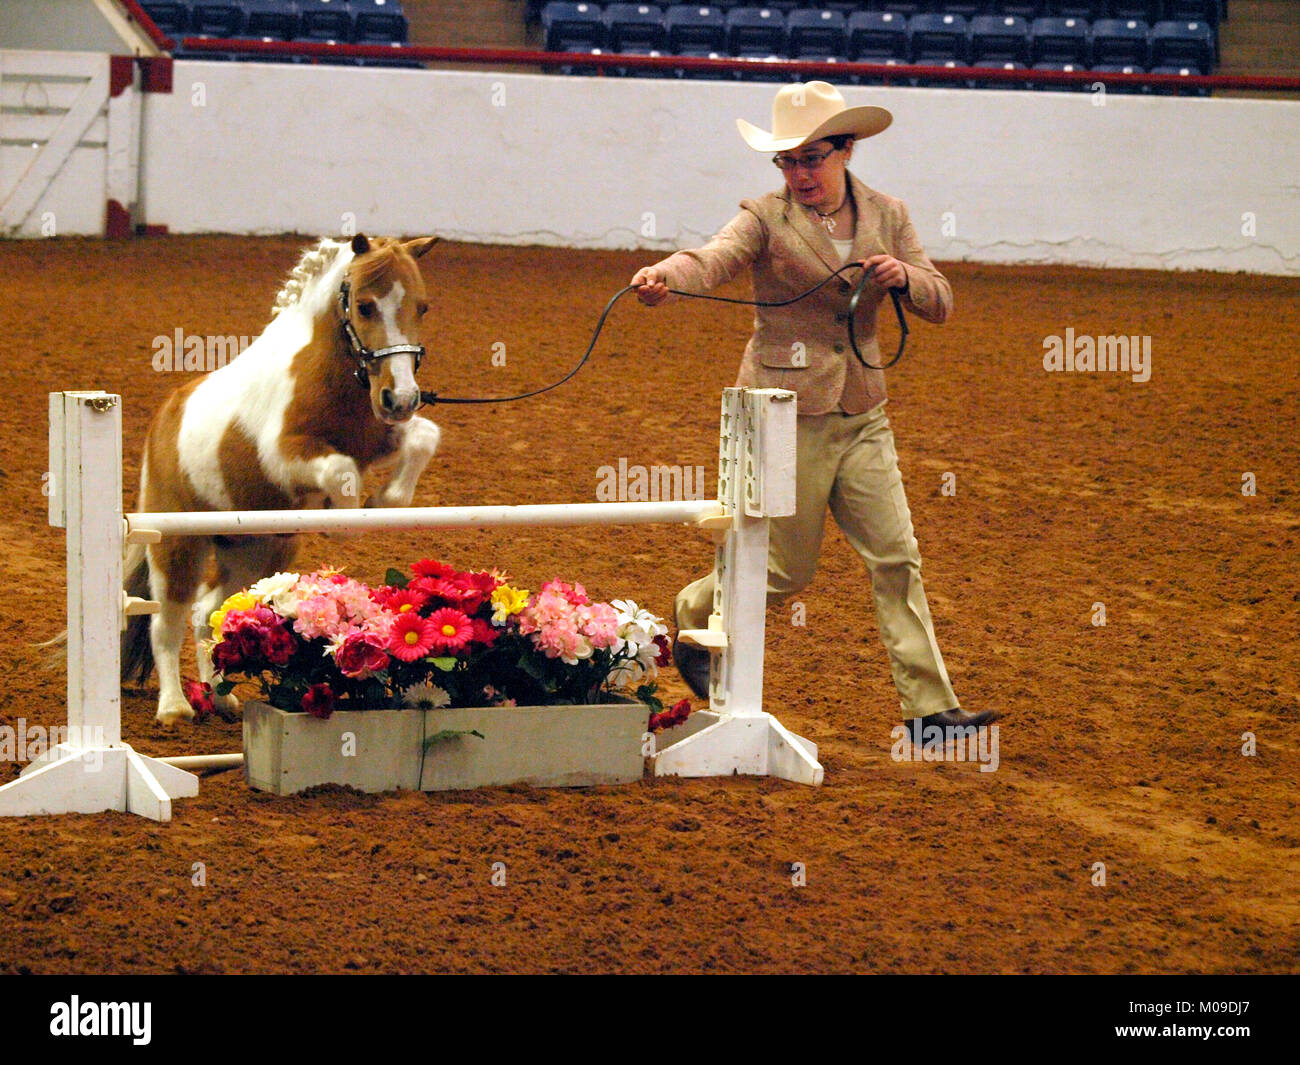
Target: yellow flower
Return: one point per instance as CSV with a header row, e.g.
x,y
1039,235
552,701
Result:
x,y
506,601
239,601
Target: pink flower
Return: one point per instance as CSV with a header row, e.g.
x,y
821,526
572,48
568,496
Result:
x,y
411,637
319,617
199,697
599,624
361,654
451,630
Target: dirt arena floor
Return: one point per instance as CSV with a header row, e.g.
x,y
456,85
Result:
x,y
1121,744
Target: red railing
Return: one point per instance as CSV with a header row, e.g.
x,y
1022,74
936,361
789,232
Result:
x,y
134,11
792,67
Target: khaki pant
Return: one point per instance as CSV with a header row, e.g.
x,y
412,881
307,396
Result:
x,y
848,462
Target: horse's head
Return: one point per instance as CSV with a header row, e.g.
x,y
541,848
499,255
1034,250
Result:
x,y
381,302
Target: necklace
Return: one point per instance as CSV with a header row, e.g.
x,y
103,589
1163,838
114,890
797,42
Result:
x,y
826,217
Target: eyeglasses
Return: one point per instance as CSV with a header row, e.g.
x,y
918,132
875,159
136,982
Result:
x,y
809,162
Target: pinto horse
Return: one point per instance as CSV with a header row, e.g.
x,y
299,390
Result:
x,y
327,392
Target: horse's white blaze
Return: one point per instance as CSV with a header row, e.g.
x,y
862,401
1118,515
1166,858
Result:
x,y
401,366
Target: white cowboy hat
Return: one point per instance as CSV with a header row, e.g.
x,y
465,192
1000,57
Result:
x,y
812,112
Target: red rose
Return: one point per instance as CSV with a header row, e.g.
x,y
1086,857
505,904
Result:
x,y
228,655
277,645
200,698
361,654
483,632
319,701
678,713
665,655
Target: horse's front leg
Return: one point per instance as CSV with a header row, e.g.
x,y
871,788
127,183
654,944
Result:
x,y
312,466
418,444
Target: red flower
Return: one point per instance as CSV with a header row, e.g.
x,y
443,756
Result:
x,y
665,655
228,655
483,632
200,698
400,600
451,629
361,654
278,645
428,567
411,637
679,712
319,701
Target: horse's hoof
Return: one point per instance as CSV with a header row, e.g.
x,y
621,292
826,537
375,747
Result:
x,y
226,707
170,715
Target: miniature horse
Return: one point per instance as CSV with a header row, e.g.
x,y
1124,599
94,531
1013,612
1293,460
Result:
x,y
327,391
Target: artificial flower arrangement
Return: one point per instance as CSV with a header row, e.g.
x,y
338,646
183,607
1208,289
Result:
x,y
440,638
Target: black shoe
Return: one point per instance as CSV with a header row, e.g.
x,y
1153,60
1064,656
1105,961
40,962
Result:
x,y
693,664
949,719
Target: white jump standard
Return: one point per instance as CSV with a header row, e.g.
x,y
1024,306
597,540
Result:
x,y
98,772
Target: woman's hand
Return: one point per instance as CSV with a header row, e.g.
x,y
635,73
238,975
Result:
x,y
651,287
889,271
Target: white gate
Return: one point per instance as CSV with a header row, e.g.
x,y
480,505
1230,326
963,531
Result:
x,y
69,143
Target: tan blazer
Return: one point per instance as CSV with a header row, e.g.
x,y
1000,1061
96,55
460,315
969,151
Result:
x,y
804,347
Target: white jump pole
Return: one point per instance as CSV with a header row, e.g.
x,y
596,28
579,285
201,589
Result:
x,y
756,482
93,770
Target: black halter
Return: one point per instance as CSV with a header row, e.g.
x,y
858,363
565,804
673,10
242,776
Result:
x,y
364,355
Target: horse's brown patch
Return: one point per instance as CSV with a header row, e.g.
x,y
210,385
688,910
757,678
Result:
x,y
241,469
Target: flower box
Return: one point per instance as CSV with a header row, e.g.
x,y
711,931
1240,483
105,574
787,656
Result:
x,y
380,750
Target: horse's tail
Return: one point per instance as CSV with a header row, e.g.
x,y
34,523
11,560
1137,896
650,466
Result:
x,y
137,650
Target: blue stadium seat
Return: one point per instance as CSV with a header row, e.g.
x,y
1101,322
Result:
x,y
903,7
755,32
874,36
1193,11
1058,66
1004,38
967,9
641,72
936,83
379,22
572,27
325,20
989,64
277,19
1089,9
1119,68
1058,40
639,26
172,18
1146,10
1184,71
872,79
703,75
761,71
811,33
1183,43
935,39
1026,9
693,27
1120,41
216,19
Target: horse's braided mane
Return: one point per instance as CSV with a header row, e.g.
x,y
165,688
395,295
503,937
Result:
x,y
314,262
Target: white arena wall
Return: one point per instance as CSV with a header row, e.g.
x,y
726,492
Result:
x,y
990,176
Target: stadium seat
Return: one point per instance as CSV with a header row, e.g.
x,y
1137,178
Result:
x,y
1004,38
874,36
325,20
1193,11
1119,41
700,29
172,18
755,32
1179,43
814,32
995,65
703,75
1086,9
1146,10
572,27
904,7
1026,9
1182,71
639,26
1041,86
277,19
936,83
1117,68
217,19
1058,40
935,39
378,22
761,71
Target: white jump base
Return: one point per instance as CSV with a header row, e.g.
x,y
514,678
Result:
x,y
756,482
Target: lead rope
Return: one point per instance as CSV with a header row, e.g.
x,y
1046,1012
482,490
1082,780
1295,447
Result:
x,y
430,398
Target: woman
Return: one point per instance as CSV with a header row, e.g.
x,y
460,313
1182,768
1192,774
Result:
x,y
823,218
